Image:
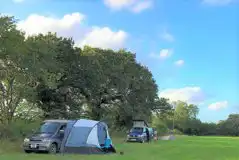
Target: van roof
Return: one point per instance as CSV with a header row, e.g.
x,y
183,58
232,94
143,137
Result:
x,y
57,120
140,120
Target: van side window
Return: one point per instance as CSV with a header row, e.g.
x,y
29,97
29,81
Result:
x,y
63,127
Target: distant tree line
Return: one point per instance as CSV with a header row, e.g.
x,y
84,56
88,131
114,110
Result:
x,y
186,122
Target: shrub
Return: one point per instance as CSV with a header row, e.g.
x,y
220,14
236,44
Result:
x,y
17,130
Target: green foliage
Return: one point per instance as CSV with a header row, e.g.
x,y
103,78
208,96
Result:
x,y
55,79
28,111
14,76
18,129
186,122
160,126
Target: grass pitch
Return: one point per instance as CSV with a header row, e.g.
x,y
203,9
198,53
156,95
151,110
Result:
x,y
183,148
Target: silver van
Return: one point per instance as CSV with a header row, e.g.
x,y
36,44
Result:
x,y
47,138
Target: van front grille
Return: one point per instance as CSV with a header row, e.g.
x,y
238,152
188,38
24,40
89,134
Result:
x,y
35,140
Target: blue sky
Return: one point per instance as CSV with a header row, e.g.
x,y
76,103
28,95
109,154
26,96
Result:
x,y
191,46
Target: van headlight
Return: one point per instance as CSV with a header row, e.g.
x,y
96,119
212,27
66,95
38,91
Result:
x,y
26,140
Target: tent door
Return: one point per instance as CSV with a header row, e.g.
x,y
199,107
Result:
x,y
102,135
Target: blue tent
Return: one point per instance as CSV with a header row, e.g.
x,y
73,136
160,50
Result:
x,y
87,137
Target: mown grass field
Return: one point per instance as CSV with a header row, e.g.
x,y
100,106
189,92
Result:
x,y
183,148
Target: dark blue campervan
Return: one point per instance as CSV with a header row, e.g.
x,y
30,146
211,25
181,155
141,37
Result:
x,y
137,134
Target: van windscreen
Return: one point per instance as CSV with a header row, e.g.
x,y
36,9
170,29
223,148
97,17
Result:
x,y
136,130
49,127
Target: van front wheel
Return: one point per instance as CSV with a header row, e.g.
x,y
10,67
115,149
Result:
x,y
142,141
53,149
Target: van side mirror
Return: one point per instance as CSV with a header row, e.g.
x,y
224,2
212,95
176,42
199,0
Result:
x,y
61,132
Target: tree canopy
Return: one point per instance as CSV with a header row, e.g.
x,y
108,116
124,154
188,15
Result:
x,y
63,81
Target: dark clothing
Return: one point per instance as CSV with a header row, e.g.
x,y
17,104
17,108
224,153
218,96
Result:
x,y
147,134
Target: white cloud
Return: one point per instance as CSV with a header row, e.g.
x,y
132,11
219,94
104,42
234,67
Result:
x,y
217,2
104,37
18,1
164,53
72,25
142,6
167,36
119,4
192,95
218,105
35,23
135,6
179,62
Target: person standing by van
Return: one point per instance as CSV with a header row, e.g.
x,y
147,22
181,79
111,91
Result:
x,y
147,134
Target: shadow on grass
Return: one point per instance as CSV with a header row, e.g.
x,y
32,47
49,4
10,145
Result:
x,y
7,146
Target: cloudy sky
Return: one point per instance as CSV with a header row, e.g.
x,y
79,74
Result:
x,y
191,46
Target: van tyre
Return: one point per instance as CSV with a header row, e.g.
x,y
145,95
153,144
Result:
x,y
27,151
53,149
142,141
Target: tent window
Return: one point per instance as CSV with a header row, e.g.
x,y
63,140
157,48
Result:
x,y
78,136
